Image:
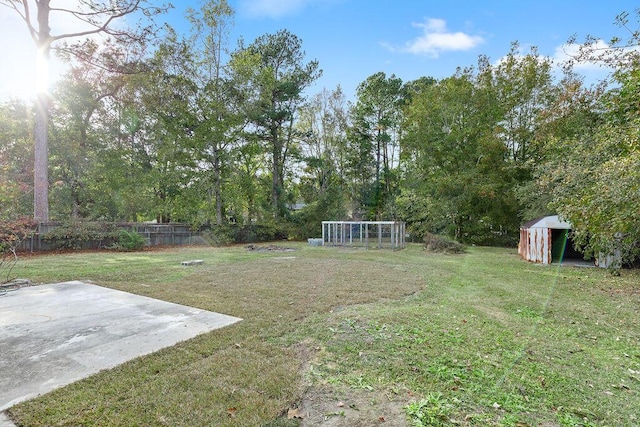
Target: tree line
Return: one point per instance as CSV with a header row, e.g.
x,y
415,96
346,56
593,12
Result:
x,y
192,131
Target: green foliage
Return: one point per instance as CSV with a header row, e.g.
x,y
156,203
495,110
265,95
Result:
x,y
82,235
16,156
274,74
128,241
322,187
374,144
186,137
525,90
265,232
457,180
220,235
307,222
432,411
436,243
594,184
577,119
567,419
420,214
589,174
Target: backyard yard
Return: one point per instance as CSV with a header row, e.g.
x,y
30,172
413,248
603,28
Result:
x,y
354,337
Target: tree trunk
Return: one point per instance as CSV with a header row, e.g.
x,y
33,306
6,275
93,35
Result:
x,y
276,181
41,160
75,199
40,134
217,176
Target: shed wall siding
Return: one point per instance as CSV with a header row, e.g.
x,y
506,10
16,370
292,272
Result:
x,y
535,245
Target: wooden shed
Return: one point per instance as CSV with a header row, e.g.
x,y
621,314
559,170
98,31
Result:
x,y
544,240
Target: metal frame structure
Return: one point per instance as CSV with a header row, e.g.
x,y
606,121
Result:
x,y
376,234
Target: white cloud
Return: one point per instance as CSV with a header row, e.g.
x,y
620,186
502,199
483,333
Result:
x,y
436,39
272,8
600,66
566,52
602,59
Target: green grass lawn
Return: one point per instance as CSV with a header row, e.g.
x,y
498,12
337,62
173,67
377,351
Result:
x,y
362,337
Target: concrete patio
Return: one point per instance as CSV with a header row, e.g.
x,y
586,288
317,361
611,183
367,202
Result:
x,y
52,335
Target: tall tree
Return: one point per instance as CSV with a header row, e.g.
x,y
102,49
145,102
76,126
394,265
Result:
x,y
455,167
324,121
574,115
278,77
323,125
525,89
77,129
217,120
376,118
97,17
16,159
165,99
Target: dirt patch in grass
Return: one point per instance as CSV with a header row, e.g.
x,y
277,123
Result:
x,y
337,405
329,406
269,248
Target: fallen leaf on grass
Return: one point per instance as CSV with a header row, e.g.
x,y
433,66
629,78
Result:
x,y
622,387
232,412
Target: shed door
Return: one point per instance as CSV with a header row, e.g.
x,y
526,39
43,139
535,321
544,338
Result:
x,y
558,244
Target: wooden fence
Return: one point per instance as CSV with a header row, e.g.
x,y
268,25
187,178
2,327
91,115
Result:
x,y
154,234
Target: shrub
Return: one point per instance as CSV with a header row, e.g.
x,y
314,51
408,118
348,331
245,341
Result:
x,y
220,235
82,235
12,234
227,234
437,243
265,232
129,241
307,222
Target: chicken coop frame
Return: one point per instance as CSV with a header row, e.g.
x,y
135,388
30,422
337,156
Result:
x,y
366,234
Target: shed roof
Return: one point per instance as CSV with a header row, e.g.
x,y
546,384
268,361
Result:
x,y
551,221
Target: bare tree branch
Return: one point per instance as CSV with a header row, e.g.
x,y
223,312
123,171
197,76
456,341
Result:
x,y
99,15
24,14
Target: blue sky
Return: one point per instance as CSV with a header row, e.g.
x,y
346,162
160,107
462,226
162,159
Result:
x,y
353,39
